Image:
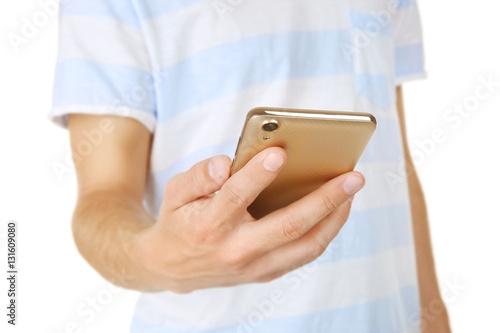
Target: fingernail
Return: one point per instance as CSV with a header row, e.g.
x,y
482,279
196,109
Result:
x,y
273,162
216,168
353,184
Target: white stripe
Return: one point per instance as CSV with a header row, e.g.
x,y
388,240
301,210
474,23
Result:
x,y
221,120
376,7
102,40
379,191
388,272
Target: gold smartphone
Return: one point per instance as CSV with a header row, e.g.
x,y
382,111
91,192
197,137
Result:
x,y
320,145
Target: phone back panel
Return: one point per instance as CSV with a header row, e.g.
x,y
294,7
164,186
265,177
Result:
x,y
318,149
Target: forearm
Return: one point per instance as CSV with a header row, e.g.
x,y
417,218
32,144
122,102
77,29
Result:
x,y
102,223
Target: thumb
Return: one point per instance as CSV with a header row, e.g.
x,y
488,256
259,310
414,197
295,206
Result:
x,y
204,178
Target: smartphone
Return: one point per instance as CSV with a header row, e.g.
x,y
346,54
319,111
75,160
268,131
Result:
x,y
320,145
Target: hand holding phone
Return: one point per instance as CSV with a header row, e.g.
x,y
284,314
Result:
x,y
208,238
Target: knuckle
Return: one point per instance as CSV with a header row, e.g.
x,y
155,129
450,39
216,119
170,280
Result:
x,y
235,260
232,196
292,228
330,203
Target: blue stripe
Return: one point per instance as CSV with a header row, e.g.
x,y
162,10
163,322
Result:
x,y
378,89
395,313
409,60
83,82
229,68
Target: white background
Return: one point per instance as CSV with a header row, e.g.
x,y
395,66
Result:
x,y
460,176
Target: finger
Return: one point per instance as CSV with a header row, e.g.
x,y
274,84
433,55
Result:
x,y
245,185
289,223
302,251
202,179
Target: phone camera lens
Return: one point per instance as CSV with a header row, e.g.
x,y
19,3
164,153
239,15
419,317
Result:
x,y
270,127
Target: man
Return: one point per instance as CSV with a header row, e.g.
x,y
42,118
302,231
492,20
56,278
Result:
x,y
155,93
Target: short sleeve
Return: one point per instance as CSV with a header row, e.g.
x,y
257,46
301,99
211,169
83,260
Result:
x,y
409,54
103,66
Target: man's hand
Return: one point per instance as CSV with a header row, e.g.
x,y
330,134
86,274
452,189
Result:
x,y
204,236
203,239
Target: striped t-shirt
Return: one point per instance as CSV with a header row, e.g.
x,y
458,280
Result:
x,y
190,70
